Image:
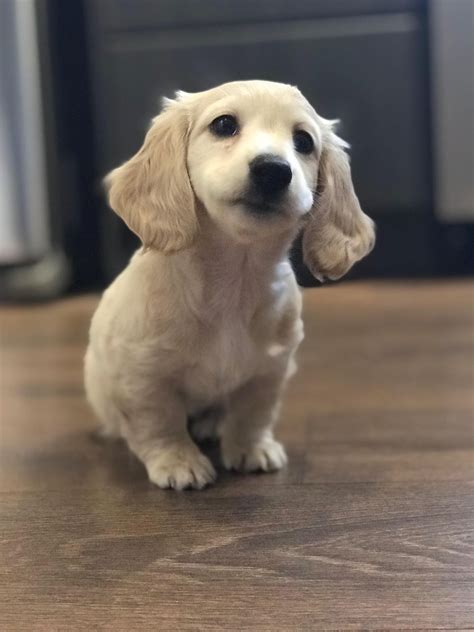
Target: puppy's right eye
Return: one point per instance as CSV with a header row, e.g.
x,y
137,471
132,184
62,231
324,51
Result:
x,y
303,142
224,126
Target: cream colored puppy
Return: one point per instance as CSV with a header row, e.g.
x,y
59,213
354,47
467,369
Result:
x,y
204,322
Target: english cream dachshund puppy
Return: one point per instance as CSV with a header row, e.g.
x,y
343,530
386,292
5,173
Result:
x,y
204,322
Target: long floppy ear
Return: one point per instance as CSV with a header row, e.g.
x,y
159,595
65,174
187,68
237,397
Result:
x,y
338,232
152,192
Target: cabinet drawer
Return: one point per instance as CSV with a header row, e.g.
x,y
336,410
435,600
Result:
x,y
114,15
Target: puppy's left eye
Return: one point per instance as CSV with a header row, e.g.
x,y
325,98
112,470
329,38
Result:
x,y
303,142
224,126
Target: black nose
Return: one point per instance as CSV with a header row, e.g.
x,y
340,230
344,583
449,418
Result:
x,y
270,174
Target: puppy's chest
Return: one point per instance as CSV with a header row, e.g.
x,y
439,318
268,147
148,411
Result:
x,y
226,357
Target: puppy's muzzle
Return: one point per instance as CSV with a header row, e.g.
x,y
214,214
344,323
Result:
x,y
270,176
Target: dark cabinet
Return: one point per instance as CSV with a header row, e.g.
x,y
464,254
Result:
x,y
358,60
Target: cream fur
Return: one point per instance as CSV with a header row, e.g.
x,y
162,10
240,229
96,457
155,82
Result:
x,y
205,320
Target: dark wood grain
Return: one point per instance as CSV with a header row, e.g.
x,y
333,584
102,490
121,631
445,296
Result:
x,y
370,526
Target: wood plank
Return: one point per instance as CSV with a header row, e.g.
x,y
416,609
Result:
x,y
297,558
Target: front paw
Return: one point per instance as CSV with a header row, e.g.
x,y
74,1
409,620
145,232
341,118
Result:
x,y
265,454
180,467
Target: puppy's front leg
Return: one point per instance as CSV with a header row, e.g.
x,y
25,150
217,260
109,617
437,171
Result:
x,y
158,436
247,442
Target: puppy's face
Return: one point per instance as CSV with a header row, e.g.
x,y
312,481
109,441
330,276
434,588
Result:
x,y
253,156
253,153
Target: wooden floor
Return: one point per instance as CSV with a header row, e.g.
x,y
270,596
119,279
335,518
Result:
x,y
370,526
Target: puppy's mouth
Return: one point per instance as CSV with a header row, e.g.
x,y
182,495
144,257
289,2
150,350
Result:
x,y
260,207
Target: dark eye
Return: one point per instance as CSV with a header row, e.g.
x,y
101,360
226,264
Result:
x,y
303,142
224,126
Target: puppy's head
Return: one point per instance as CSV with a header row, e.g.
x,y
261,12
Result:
x,y
256,158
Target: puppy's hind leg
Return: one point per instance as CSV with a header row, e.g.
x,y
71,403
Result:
x,y
158,436
205,425
99,396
